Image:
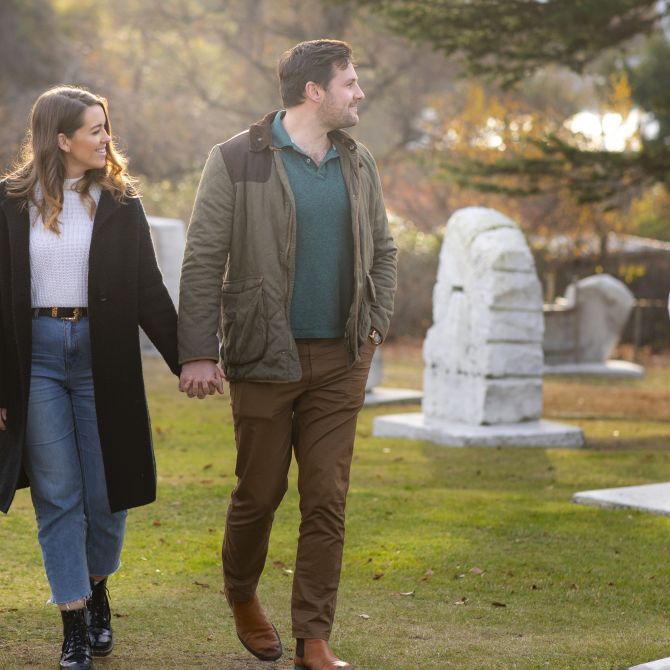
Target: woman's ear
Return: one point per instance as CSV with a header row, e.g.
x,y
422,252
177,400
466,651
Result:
x,y
63,142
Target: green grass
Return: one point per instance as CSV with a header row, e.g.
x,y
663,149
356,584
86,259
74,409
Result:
x,y
435,537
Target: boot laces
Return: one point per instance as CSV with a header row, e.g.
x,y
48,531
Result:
x,y
98,606
76,638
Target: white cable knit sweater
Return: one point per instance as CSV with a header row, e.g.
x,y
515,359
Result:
x,y
59,263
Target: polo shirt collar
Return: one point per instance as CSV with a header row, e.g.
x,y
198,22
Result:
x,y
281,139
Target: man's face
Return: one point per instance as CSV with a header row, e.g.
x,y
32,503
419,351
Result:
x,y
339,108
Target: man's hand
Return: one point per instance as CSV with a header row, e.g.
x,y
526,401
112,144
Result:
x,y
3,418
200,378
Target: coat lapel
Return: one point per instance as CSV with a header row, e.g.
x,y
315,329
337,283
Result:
x,y
106,207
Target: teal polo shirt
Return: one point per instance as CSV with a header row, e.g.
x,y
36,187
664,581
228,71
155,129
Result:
x,y
324,255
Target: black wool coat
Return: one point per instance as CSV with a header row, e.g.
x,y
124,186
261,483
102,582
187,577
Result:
x,y
125,290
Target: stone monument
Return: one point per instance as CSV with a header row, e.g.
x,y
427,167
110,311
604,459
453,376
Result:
x,y
582,328
169,238
376,373
376,394
483,354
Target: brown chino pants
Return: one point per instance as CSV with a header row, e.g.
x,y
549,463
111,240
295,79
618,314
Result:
x,y
317,417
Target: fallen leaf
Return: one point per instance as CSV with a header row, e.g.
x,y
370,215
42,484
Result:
x,y
574,587
476,571
405,593
120,615
206,481
364,616
202,584
287,571
495,603
377,575
208,466
462,601
427,575
279,564
156,522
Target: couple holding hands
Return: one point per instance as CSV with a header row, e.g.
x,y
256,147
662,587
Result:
x,y
288,281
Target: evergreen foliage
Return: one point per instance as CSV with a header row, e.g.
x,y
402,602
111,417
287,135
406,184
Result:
x,y
509,41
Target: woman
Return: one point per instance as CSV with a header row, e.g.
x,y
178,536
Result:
x,y
78,275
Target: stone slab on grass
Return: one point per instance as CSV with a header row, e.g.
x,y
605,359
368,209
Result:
x,y
382,395
661,664
611,368
525,434
647,498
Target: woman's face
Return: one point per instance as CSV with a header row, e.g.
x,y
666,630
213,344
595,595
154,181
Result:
x,y
87,148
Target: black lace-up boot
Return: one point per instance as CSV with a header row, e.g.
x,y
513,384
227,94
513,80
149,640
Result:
x,y
100,620
76,652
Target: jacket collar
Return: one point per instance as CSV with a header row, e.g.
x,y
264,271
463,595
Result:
x,y
260,136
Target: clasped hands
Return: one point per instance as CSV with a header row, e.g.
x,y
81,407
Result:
x,y
201,378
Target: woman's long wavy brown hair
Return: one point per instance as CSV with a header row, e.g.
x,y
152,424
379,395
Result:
x,y
39,172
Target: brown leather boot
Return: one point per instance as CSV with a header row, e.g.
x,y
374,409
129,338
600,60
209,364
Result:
x,y
255,631
312,654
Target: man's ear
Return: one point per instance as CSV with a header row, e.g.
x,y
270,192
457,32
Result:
x,y
313,92
63,142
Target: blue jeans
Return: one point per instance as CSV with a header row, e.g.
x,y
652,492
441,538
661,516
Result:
x,y
79,535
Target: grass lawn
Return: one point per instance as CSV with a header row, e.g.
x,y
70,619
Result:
x,y
473,559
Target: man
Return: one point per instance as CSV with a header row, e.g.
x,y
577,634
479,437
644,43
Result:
x,y
289,245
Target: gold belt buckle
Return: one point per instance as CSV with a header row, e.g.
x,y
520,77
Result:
x,y
75,316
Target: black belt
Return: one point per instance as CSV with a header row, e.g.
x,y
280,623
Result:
x,y
67,313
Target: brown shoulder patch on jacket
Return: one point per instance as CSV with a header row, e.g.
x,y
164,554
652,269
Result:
x,y
243,164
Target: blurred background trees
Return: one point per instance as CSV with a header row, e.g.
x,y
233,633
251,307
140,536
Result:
x,y
566,101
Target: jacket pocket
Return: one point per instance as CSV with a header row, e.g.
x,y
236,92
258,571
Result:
x,y
243,324
372,291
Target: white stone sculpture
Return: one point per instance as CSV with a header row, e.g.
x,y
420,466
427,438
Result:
x,y
483,354
376,373
585,326
169,239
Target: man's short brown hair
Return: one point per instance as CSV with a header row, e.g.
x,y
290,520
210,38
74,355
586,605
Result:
x,y
314,60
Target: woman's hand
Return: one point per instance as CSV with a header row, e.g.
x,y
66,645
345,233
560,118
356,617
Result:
x,y
3,418
201,378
